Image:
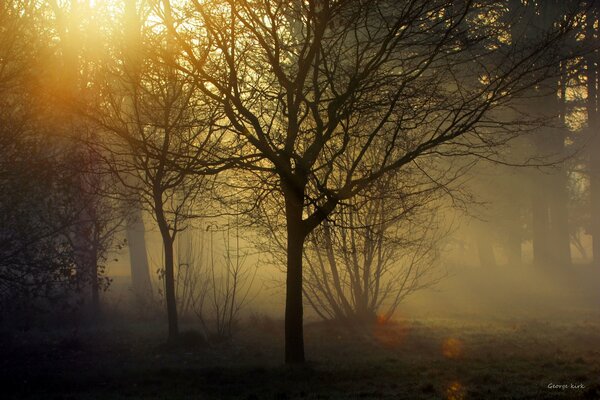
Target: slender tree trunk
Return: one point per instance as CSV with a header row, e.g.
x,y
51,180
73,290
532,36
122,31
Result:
x,y
514,238
486,253
559,221
558,197
138,258
132,59
95,283
169,260
540,221
294,330
345,309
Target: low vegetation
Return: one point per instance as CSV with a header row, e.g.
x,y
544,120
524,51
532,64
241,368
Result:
x,y
406,359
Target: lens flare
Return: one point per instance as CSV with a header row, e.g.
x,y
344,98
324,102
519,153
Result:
x,y
455,391
452,348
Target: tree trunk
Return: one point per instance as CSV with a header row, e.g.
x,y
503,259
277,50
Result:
x,y
138,258
513,238
486,253
540,222
558,197
95,283
559,221
294,332
170,296
170,290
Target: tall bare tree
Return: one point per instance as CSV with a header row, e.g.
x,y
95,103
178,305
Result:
x,y
304,83
138,257
157,134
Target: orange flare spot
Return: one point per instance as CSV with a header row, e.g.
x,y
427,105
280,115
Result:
x,y
455,391
452,348
389,334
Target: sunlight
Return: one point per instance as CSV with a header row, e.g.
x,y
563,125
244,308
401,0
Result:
x,y
397,196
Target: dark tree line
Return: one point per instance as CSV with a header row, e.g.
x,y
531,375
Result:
x,y
55,229
561,209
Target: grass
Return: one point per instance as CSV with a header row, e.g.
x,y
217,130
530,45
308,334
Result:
x,y
420,359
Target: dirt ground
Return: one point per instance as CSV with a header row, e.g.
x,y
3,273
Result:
x,y
408,359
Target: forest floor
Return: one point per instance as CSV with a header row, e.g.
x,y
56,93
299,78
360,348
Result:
x,y
452,359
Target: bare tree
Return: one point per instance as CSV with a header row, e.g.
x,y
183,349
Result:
x,y
136,241
100,220
213,280
373,252
229,284
157,138
304,83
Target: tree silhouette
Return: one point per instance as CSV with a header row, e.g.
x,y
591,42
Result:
x,y
392,83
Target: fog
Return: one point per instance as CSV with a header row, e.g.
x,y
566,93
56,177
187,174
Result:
x,y
466,289
325,199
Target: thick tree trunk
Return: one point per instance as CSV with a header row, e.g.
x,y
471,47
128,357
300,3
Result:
x,y
294,331
138,258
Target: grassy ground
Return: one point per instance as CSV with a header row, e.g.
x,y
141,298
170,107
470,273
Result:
x,y
412,359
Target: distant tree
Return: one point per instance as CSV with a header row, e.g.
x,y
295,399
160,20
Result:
x,y
550,230
592,37
136,243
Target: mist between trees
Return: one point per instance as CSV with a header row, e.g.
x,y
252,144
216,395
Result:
x,y
358,151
